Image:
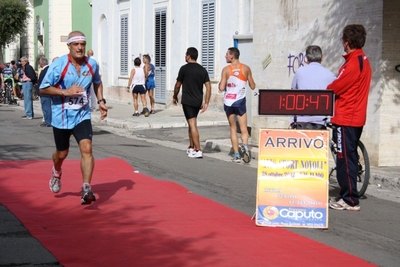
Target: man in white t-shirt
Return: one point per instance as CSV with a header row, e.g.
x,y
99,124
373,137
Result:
x,y
312,77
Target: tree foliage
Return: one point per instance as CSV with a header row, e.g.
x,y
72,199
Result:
x,y
13,20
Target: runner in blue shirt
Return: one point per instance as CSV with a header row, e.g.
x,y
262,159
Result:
x,y
68,81
150,83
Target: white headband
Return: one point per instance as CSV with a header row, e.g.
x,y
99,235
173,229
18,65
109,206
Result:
x,y
76,39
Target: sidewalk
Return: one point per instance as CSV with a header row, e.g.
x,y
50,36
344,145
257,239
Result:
x,y
120,116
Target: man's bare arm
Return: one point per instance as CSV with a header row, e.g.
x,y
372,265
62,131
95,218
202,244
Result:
x,y
177,88
74,90
224,78
207,97
250,79
98,90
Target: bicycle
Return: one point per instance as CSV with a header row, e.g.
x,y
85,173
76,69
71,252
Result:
x,y
364,172
7,94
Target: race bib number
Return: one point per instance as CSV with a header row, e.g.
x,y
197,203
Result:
x,y
242,93
75,102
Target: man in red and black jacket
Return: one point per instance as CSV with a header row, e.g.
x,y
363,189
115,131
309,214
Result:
x,y
351,89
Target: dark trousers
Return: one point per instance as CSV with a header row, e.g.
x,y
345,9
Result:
x,y
347,138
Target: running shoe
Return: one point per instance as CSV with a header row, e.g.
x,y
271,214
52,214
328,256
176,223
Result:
x,y
146,112
55,182
152,111
136,114
341,205
236,159
189,150
87,195
334,199
196,154
245,153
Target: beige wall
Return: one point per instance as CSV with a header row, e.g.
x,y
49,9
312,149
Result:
x,y
389,94
285,28
59,25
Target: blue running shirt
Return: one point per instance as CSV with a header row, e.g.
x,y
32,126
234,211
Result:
x,y
67,112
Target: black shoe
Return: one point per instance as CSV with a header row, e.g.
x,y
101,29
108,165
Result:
x,y
146,112
44,125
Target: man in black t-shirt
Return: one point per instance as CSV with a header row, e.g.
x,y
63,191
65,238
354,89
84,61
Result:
x,y
192,77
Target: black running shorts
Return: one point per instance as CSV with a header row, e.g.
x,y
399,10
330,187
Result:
x,y
81,131
190,112
139,89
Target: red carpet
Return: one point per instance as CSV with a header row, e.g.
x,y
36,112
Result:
x,y
140,221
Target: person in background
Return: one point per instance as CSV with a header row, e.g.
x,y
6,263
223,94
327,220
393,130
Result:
x,y
7,76
68,82
92,98
312,77
150,82
136,84
234,79
29,79
13,66
45,101
18,80
350,113
192,76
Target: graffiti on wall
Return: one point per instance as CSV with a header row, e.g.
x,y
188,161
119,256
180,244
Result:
x,y
295,62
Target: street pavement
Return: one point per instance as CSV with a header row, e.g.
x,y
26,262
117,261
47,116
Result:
x,y
120,119
171,132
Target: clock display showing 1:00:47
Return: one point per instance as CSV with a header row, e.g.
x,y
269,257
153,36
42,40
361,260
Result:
x,y
295,102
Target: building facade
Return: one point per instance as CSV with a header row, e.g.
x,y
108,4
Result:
x,y
271,34
54,20
285,28
164,29
48,28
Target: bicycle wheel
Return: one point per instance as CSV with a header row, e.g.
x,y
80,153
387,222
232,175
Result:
x,y
7,97
363,174
364,171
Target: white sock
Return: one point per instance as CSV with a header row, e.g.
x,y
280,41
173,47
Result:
x,y
56,173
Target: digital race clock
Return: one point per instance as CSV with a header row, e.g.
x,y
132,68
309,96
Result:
x,y
295,102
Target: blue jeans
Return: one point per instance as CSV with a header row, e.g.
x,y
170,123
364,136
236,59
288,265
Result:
x,y
46,108
27,88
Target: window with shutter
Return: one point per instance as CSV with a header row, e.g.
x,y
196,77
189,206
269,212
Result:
x,y
160,50
208,37
124,45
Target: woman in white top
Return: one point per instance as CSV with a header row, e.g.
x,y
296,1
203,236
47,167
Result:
x,y
136,83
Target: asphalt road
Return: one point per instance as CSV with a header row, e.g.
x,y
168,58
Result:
x,y
372,234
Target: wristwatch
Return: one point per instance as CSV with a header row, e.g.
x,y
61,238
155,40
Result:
x,y
101,100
